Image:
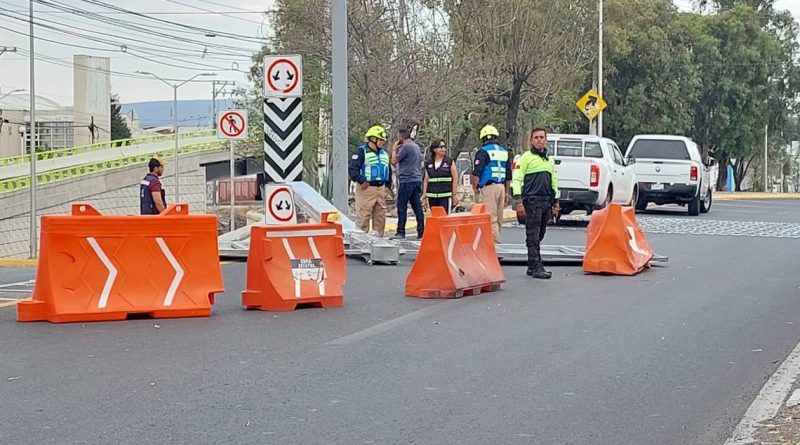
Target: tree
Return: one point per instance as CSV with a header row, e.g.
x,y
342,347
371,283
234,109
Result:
x,y
119,127
519,54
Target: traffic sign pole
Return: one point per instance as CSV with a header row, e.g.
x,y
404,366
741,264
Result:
x,y
233,187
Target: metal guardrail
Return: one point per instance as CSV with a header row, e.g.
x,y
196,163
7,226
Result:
x,y
63,152
23,182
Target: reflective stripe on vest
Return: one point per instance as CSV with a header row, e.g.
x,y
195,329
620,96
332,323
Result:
x,y
376,165
440,180
495,170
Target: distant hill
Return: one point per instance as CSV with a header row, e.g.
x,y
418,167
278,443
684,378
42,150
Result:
x,y
191,113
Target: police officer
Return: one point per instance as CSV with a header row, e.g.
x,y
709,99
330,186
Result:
x,y
152,198
491,175
371,170
535,183
440,186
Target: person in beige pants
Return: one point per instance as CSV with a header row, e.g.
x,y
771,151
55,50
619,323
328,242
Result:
x,y
371,170
491,178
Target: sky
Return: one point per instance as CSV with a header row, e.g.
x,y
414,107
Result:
x,y
242,18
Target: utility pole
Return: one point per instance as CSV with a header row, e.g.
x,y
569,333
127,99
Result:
x,y
214,93
33,235
338,169
766,158
600,66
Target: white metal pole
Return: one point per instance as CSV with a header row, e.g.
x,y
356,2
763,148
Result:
x,y
233,187
766,158
338,168
175,125
33,235
600,67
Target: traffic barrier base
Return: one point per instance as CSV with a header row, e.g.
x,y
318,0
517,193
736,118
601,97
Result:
x,y
105,268
615,244
456,258
295,265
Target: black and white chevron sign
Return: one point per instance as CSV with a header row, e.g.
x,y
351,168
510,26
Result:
x,y
283,139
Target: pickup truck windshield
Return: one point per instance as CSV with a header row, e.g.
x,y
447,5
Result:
x,y
659,149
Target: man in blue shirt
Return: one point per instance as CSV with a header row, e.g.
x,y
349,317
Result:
x,y
407,156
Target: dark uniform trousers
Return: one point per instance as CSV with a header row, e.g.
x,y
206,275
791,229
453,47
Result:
x,y
538,213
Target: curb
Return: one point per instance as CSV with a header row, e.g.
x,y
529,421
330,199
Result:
x,y
18,262
720,196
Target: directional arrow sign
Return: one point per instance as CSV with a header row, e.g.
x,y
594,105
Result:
x,y
280,204
283,139
283,76
591,104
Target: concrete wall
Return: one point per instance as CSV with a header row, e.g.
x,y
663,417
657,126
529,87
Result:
x,y
92,97
115,192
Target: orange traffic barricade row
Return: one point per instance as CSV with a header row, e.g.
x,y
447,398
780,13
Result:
x,y
457,256
615,244
295,264
94,267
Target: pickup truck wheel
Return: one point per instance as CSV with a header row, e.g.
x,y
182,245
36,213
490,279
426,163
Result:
x,y
634,197
609,197
705,205
694,206
641,204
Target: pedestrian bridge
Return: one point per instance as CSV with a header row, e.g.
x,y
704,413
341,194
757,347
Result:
x,y
106,175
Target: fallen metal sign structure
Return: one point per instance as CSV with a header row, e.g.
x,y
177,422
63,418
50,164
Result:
x,y
311,205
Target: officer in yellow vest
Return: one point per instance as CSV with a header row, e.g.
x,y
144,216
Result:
x,y
371,170
491,175
535,183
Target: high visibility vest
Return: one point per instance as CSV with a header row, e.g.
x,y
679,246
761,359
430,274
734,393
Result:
x,y
146,203
440,181
376,165
495,170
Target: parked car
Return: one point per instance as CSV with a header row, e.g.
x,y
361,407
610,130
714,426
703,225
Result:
x,y
670,170
592,173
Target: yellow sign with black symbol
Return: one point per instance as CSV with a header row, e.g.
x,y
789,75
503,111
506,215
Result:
x,y
591,104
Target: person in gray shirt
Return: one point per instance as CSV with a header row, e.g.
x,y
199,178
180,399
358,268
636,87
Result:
x,y
407,157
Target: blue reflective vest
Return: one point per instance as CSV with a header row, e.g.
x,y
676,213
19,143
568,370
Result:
x,y
495,170
146,203
376,165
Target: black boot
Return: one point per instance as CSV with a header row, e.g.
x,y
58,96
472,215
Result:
x,y
540,273
531,268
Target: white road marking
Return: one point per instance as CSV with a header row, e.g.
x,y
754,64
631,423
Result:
x,y
112,272
768,401
176,281
389,324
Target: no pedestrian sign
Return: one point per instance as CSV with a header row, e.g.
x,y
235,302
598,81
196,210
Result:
x,y
280,204
232,124
283,76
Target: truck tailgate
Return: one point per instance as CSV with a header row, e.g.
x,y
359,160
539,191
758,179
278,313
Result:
x,y
573,173
662,171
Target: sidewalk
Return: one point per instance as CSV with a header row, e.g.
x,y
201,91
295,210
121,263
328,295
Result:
x,y
734,196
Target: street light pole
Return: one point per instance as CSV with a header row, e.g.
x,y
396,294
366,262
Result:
x,y
600,66
175,87
33,235
338,171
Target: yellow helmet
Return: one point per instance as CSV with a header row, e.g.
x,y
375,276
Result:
x,y
376,131
489,130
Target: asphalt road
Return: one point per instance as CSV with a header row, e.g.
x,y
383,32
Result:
x,y
672,356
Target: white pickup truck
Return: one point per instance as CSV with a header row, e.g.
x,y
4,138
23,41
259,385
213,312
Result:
x,y
591,171
670,170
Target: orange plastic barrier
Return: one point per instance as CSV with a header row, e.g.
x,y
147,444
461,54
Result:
x,y
295,264
615,244
103,268
457,257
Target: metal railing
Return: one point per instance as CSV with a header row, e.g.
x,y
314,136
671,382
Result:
x,y
23,182
100,146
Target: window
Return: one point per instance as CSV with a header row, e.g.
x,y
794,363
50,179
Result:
x,y
571,149
659,149
617,155
593,150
